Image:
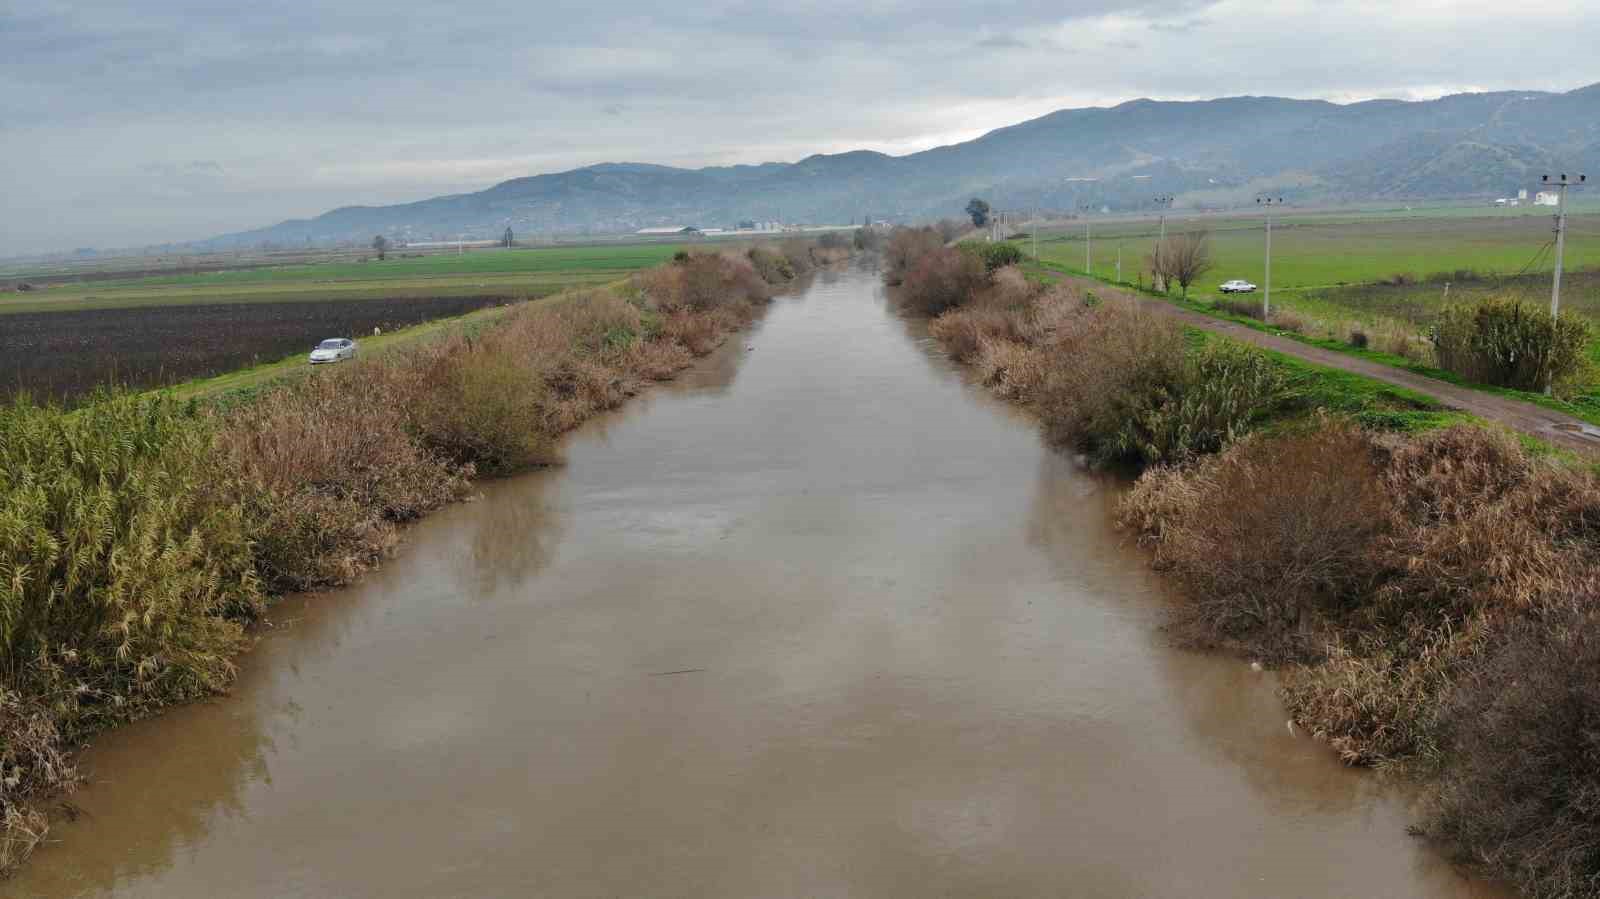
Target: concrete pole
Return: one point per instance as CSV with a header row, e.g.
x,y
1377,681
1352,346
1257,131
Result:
x,y
1266,294
1561,246
1161,250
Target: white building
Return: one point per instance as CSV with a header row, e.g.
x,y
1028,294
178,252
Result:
x,y
1546,198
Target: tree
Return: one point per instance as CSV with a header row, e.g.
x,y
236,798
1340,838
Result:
x,y
381,244
1182,258
979,210
506,241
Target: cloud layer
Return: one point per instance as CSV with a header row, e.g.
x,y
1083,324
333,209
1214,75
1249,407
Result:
x,y
181,119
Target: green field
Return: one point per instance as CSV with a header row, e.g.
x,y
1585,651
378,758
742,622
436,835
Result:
x,y
510,273
1336,275
1321,251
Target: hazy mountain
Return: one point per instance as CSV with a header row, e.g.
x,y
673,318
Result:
x,y
1209,153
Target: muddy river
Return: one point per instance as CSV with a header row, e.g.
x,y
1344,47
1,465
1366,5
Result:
x,y
820,619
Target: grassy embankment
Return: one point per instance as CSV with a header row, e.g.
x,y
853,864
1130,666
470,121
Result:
x,y
140,534
1426,585
1374,287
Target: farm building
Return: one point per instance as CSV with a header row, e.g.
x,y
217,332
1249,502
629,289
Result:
x,y
1546,198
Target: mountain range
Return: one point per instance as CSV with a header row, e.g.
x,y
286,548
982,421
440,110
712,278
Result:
x,y
1209,154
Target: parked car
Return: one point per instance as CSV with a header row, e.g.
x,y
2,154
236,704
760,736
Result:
x,y
1236,286
336,349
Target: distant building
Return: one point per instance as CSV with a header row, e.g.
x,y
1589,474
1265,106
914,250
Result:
x,y
1546,198
667,232
1522,194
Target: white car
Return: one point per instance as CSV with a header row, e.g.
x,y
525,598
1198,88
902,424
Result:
x,y
336,349
1236,286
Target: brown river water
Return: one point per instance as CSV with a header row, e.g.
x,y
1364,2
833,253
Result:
x,y
819,619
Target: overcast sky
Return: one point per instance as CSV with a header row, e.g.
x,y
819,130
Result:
x,y
132,123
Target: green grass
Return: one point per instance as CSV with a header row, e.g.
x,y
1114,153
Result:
x,y
1410,305
1315,388
1321,251
608,259
514,273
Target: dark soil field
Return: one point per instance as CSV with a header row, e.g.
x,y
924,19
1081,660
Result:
x,y
63,355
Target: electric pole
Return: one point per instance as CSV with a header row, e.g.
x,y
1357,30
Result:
x,y
1088,239
1163,203
1266,295
1560,183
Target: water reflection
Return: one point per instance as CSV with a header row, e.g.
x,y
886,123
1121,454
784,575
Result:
x,y
514,533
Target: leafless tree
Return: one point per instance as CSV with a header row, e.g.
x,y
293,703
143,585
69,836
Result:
x,y
1182,258
381,244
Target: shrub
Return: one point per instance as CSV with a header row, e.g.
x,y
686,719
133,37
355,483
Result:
x,y
127,562
1223,387
1241,308
1123,386
1266,538
1013,370
950,229
326,466
771,265
127,570
1287,321
1358,338
907,246
487,409
1521,795
867,240
833,240
1109,364
799,253
704,281
941,280
993,255
1508,343
963,330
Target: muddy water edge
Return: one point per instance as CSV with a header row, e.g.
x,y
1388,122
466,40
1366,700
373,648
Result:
x,y
818,619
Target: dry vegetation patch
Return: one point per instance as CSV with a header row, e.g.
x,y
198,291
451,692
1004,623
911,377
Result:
x,y
1432,599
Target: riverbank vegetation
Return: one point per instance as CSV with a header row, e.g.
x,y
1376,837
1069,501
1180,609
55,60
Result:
x,y
1426,585
1432,601
140,536
1114,381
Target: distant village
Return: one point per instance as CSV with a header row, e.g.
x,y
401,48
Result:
x,y
1542,198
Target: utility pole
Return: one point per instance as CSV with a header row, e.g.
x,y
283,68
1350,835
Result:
x,y
1560,183
1163,203
1119,262
1088,239
1266,295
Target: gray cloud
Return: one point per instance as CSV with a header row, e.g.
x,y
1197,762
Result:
x,y
179,119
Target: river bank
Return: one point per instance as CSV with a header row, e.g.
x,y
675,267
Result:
x,y
1426,584
141,537
818,617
